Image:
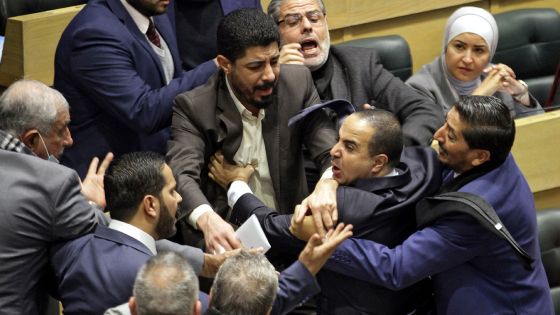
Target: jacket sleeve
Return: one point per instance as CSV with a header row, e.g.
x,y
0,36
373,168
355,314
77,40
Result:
x,y
186,156
72,216
193,255
449,242
295,286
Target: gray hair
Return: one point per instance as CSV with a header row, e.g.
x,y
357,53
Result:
x,y
30,104
166,285
245,284
274,8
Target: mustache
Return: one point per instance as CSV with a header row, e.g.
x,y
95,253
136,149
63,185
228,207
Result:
x,y
265,85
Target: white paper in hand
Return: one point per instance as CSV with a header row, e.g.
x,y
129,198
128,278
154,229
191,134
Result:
x,y
251,234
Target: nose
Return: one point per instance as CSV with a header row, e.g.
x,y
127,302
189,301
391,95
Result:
x,y
467,57
268,74
335,152
68,141
306,24
439,134
178,197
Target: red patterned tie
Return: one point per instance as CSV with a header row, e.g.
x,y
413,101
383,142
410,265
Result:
x,y
153,36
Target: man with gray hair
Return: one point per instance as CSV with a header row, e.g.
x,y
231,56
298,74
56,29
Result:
x,y
166,284
245,284
351,73
40,202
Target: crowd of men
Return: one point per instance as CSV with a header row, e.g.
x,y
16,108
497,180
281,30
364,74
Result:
x,y
197,152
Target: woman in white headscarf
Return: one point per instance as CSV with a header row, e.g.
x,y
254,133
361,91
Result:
x,y
463,68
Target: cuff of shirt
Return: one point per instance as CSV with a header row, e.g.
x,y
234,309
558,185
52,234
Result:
x,y
197,212
327,174
236,190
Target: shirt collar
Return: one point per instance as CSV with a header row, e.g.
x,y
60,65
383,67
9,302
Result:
x,y
139,19
242,110
394,172
135,233
10,143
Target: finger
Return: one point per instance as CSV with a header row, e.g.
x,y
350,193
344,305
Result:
x,y
219,156
334,215
211,176
299,213
318,220
314,240
92,169
327,220
105,164
222,245
233,242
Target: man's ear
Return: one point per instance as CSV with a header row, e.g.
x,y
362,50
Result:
x,y
379,163
32,140
132,305
480,157
224,63
150,205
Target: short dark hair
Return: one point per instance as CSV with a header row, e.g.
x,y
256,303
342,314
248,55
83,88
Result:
x,y
245,28
489,125
387,136
129,179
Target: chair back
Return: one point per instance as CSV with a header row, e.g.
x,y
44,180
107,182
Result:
x,y
393,51
529,42
548,222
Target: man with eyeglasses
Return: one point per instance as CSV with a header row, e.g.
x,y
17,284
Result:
x,y
351,73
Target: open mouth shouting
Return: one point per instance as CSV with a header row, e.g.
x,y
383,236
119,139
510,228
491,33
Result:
x,y
309,47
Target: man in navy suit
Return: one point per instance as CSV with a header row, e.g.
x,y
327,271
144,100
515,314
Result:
x,y
97,271
120,82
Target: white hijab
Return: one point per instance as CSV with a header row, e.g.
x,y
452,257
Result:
x,y
469,20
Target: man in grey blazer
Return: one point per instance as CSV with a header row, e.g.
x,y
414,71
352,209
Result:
x,y
350,73
40,201
243,111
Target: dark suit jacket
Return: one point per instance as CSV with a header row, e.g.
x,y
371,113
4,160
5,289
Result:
x,y
206,120
115,85
381,209
473,270
358,76
97,271
40,204
204,24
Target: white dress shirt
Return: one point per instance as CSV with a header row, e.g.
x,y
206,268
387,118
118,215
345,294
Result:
x,y
135,233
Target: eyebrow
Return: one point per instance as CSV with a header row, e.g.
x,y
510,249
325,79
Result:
x,y
478,46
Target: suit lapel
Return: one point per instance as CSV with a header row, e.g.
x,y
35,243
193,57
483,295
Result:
x,y
121,238
165,29
122,14
271,136
228,121
339,83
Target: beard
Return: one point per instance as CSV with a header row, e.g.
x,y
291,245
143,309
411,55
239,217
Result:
x,y
165,226
265,101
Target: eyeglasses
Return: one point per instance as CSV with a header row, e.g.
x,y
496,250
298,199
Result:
x,y
294,20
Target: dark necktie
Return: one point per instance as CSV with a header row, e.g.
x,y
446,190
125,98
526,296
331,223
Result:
x,y
153,35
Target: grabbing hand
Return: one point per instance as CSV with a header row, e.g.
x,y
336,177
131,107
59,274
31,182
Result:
x,y
322,204
224,173
92,186
291,54
317,251
218,234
